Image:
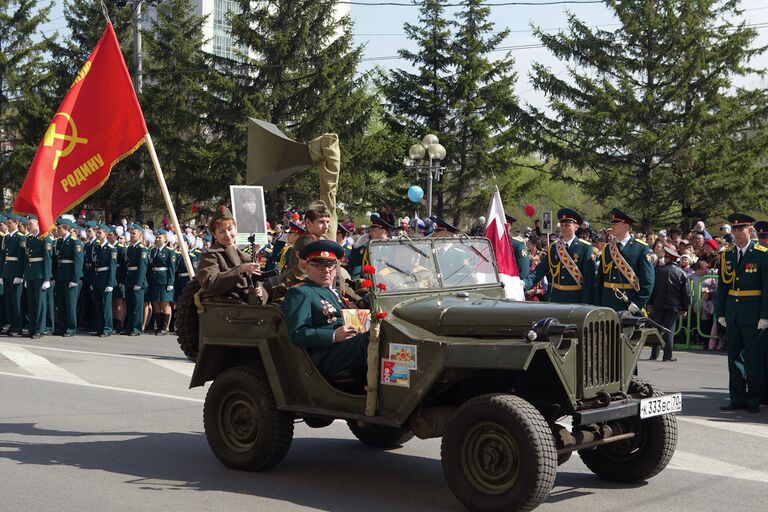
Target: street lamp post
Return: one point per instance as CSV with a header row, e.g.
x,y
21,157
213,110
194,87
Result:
x,y
425,156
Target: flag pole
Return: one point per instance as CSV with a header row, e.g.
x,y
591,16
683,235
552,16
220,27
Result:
x,y
169,205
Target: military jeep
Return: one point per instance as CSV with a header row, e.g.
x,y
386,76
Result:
x,y
498,380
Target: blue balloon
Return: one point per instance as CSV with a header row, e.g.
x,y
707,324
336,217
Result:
x,y
415,194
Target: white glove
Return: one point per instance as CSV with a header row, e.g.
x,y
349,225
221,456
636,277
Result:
x,y
721,320
91,287
46,285
136,288
1,281
108,289
762,324
72,285
25,285
633,308
121,286
17,280
168,288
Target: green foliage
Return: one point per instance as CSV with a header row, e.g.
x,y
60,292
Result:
x,y
25,88
649,118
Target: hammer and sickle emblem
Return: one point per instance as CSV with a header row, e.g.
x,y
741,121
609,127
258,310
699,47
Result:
x,y
72,139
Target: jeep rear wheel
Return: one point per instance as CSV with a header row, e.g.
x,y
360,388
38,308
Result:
x,y
639,458
187,323
499,454
243,426
379,436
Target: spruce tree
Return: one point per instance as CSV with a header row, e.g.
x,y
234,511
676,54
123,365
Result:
x,y
300,75
484,107
25,89
650,118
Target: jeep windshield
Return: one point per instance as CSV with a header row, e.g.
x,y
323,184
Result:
x,y
424,263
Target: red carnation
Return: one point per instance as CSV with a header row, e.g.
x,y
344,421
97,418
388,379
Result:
x,y
367,283
382,287
369,270
381,315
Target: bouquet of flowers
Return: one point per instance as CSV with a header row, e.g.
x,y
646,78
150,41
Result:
x,y
373,345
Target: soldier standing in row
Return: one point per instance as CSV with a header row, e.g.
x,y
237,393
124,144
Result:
x,y
37,274
136,263
87,309
104,280
162,269
3,232
568,265
118,294
742,307
625,278
69,270
13,282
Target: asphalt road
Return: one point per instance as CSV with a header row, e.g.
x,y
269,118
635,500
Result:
x,y
110,424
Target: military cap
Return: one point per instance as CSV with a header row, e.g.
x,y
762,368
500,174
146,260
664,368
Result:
x,y
341,229
761,227
136,226
619,216
569,215
670,251
739,220
295,227
91,224
161,231
510,219
441,224
322,250
207,238
221,213
377,221
31,217
64,222
318,209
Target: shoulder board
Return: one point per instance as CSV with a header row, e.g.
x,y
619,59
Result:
x,y
583,241
760,248
110,246
730,248
641,242
518,238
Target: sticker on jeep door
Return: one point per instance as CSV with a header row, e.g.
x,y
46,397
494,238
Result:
x,y
395,374
404,354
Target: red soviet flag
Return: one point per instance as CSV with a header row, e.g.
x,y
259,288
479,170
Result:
x,y
98,124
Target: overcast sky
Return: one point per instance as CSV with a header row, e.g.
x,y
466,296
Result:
x,y
380,29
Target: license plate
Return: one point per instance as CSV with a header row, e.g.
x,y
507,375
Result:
x,y
658,405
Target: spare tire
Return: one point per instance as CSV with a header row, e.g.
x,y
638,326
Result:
x,y
187,321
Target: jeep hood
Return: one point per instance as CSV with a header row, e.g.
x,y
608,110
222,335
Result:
x,y
454,315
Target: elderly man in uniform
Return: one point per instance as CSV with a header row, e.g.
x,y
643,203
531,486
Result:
x,y
37,276
69,271
742,307
314,319
568,265
670,299
136,264
625,278
104,280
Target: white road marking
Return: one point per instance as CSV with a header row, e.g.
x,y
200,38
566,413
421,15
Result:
x,y
38,366
110,388
738,427
692,463
182,367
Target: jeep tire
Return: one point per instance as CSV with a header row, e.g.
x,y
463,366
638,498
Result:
x,y
379,436
243,426
187,322
641,457
498,454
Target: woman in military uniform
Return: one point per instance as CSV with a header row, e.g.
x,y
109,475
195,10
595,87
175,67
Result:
x,y
161,271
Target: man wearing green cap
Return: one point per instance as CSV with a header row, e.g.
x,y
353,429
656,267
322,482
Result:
x,y
626,277
136,261
104,281
3,232
742,307
13,282
87,303
37,274
68,254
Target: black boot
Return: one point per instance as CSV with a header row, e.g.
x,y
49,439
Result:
x,y
162,324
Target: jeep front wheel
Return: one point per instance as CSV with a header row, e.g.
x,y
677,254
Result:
x,y
243,426
498,453
638,458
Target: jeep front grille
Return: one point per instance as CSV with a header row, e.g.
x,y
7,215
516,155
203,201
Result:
x,y
600,356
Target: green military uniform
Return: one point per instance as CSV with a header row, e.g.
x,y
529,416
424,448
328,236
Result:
x,y
625,268
69,271
104,282
50,303
313,313
119,291
742,299
87,303
137,262
2,287
13,281
160,274
37,265
522,258
564,287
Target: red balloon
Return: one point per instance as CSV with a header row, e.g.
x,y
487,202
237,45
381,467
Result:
x,y
295,216
530,210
